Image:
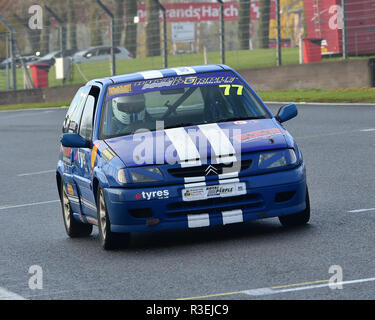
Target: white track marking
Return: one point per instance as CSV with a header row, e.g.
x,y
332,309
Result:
x,y
367,130
361,210
28,204
8,295
34,173
269,291
284,288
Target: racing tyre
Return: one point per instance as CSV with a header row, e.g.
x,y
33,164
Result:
x,y
74,228
298,219
109,240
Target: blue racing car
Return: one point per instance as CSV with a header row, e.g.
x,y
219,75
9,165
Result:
x,y
176,148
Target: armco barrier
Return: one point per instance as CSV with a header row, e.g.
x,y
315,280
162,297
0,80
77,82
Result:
x,y
323,75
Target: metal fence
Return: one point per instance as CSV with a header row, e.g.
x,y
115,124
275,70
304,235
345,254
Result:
x,y
122,36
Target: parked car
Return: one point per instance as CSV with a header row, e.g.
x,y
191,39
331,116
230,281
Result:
x,y
101,53
221,156
26,58
50,58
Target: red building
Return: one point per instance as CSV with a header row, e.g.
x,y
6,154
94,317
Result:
x,y
324,20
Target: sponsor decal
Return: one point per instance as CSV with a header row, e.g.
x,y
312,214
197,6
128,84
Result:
x,y
94,154
160,83
216,191
116,90
107,155
66,152
260,134
240,122
153,195
70,189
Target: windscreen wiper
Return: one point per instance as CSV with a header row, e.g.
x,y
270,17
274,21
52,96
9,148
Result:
x,y
180,125
239,119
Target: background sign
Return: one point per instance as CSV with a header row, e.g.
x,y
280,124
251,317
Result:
x,y
183,32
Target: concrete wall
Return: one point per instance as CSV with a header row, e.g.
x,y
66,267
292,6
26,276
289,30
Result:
x,y
322,75
56,94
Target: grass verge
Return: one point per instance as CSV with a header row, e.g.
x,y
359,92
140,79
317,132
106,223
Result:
x,y
35,105
351,95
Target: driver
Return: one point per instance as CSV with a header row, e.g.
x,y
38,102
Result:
x,y
129,109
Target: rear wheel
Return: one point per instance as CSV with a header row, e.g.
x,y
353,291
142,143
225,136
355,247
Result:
x,y
298,219
109,240
73,228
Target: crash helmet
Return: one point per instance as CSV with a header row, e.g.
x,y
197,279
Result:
x,y
125,105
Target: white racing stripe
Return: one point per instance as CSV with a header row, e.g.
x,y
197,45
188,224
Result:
x,y
228,175
8,295
198,220
233,216
219,142
194,179
184,71
153,74
186,149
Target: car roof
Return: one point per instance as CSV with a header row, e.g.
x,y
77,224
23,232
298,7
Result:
x,y
161,73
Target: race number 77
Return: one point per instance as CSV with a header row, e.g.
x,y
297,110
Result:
x,y
229,86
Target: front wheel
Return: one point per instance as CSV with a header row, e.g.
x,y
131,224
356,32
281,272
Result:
x,y
109,240
74,228
298,219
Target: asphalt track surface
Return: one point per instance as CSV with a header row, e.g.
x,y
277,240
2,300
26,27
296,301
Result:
x,y
216,263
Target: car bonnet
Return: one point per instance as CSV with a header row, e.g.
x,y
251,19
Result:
x,y
198,143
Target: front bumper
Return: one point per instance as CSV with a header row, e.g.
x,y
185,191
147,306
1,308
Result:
x,y
267,195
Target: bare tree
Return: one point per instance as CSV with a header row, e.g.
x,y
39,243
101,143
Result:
x,y
152,29
72,26
130,27
244,24
119,14
45,33
95,30
264,24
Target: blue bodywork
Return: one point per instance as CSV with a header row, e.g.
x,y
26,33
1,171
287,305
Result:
x,y
264,191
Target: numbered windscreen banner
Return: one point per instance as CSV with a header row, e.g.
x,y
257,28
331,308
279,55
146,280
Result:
x,y
226,79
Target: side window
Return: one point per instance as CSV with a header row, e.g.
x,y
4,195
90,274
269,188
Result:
x,y
104,51
75,117
77,98
85,130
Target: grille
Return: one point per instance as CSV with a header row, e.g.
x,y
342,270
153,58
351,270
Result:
x,y
246,201
208,170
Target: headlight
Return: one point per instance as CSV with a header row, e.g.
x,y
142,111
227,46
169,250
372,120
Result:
x,y
121,176
277,159
145,175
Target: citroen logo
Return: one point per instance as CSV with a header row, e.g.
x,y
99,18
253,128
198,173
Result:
x,y
211,170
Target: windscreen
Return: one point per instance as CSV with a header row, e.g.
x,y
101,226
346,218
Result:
x,y
178,101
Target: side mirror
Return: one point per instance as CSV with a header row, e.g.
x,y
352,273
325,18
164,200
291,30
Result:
x,y
286,113
74,140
